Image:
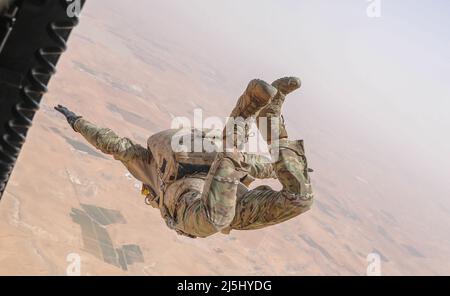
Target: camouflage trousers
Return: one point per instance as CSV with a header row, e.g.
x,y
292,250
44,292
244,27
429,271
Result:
x,y
204,205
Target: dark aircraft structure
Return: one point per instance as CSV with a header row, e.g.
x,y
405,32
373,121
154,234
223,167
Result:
x,y
33,36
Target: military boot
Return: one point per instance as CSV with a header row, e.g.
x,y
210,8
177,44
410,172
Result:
x,y
256,96
272,112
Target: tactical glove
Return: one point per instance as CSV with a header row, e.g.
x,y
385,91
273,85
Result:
x,y
70,116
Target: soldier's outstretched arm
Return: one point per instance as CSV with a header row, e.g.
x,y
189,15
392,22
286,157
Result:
x,y
104,139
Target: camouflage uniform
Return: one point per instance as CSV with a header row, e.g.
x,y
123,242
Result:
x,y
204,203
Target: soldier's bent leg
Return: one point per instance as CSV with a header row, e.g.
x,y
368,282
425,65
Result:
x,y
263,206
219,192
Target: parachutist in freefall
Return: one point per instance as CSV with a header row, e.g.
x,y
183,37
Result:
x,y
200,196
